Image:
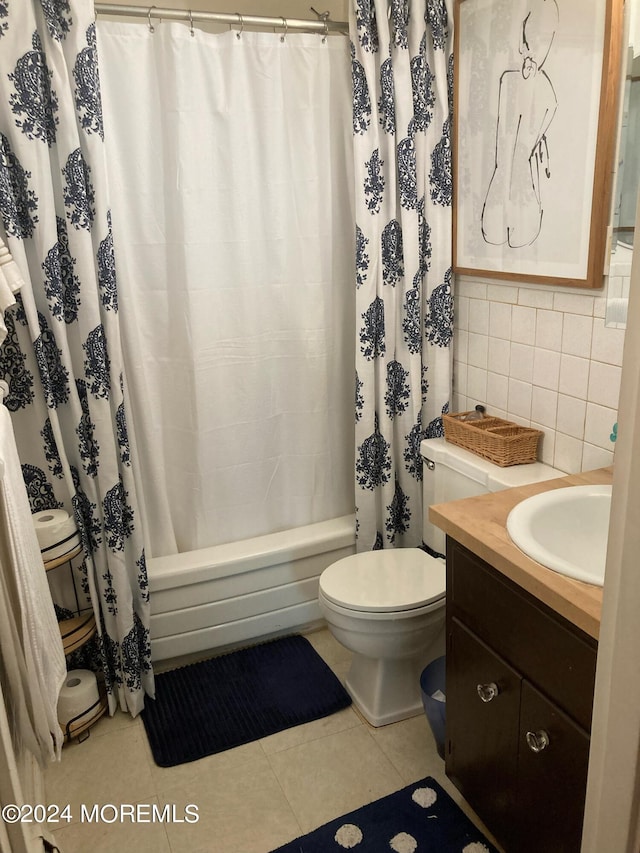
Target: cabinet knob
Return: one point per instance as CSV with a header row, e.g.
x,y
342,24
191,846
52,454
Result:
x,y
487,692
537,741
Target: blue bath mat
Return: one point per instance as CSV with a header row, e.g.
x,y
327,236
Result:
x,y
420,817
241,696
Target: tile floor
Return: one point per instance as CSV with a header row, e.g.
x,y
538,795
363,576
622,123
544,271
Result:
x,y
250,799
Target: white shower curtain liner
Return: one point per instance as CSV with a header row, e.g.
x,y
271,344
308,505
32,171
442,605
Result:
x,y
230,172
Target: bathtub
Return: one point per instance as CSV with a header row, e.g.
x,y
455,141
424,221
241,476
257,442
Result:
x,y
229,595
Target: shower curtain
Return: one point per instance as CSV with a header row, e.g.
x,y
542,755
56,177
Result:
x,y
230,177
402,68
61,358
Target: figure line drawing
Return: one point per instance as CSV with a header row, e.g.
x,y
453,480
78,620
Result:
x,y
513,209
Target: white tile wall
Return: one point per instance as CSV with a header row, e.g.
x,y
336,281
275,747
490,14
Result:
x,y
542,357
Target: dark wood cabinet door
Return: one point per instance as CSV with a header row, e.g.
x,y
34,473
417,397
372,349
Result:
x,y
553,755
545,649
482,735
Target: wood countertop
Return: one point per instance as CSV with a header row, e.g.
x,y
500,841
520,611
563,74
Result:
x,y
479,524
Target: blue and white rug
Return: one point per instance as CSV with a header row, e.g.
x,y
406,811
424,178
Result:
x,y
421,818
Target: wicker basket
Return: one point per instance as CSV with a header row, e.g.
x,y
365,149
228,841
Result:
x,y
499,441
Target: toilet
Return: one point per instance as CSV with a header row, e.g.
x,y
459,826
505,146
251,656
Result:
x,y
388,607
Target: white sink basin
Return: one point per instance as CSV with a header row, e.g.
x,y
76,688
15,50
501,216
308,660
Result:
x,y
565,530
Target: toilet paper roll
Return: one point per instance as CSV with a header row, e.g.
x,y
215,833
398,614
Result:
x,y
78,697
56,531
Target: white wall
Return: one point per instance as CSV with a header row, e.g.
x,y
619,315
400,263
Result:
x,y
542,357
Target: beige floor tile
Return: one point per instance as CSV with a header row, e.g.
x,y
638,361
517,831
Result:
x,y
113,768
332,775
250,799
120,720
341,670
329,648
411,748
172,777
240,809
117,837
108,725
338,722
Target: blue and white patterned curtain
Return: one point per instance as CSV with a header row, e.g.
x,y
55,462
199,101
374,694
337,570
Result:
x,y
62,356
402,86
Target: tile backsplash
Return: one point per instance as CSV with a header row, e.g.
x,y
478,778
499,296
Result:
x,y
541,357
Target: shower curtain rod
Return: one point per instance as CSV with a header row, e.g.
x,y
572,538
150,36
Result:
x,y
323,25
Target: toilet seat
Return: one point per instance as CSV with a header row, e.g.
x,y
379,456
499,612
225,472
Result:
x,y
385,581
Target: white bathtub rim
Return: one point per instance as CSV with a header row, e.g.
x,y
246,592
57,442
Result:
x,y
250,554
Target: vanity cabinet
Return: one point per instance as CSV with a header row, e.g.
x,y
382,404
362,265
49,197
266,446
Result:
x,y
520,681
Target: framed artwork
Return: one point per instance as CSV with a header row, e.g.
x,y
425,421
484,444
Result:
x,y
535,115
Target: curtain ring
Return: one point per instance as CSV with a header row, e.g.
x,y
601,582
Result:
x,y
326,31
151,27
286,27
191,23
238,35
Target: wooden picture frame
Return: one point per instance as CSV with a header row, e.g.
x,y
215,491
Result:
x,y
535,111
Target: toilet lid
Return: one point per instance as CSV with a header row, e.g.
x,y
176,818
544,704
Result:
x,y
399,579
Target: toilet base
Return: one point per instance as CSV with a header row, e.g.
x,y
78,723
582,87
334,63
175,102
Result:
x,y
388,690
382,697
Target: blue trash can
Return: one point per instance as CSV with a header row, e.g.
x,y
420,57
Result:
x,y
432,684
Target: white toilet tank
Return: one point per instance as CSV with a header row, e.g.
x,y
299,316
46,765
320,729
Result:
x,y
449,472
